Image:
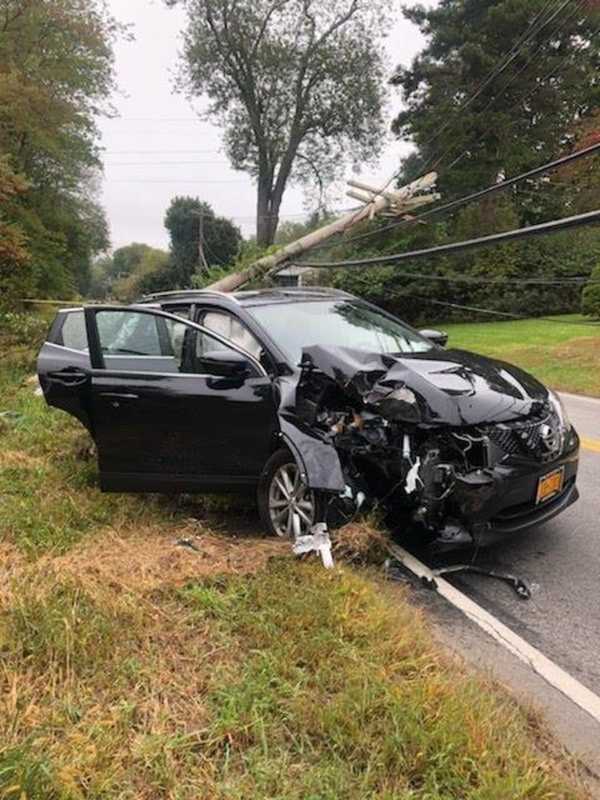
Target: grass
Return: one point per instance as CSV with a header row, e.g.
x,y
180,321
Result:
x,y
563,354
131,668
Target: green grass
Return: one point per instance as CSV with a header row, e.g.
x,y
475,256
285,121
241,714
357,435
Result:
x,y
126,676
564,354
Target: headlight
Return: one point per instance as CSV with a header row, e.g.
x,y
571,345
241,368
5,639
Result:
x,y
560,411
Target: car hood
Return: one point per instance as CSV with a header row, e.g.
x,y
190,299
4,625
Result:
x,y
451,387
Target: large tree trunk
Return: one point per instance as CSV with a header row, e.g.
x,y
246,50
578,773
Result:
x,y
263,212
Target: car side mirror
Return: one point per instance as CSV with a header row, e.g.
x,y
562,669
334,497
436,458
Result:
x,y
226,364
440,338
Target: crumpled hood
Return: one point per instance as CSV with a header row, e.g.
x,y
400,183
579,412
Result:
x,y
452,387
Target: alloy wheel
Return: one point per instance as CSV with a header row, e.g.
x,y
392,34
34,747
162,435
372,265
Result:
x,y
290,496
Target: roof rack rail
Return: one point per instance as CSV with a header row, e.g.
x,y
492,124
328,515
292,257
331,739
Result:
x,y
184,293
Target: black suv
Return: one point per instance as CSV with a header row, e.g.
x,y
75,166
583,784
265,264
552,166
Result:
x,y
322,403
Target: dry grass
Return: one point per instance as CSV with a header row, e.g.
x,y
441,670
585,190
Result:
x,y
143,559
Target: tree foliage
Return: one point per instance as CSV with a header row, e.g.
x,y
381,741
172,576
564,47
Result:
x,y
298,86
544,103
523,117
188,219
590,300
131,271
14,258
56,74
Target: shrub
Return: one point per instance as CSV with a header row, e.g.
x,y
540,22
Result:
x,y
590,299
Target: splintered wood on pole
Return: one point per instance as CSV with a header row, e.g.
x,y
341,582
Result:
x,y
376,202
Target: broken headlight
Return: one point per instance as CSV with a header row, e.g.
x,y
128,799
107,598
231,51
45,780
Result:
x,y
560,411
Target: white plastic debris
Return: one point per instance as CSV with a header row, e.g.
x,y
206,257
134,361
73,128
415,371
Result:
x,y
413,477
317,540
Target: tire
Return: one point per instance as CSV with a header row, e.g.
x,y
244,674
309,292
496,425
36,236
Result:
x,y
282,493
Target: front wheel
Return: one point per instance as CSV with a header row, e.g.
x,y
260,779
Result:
x,y
283,495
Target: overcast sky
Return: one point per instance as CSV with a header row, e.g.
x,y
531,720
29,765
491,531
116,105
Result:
x,y
157,147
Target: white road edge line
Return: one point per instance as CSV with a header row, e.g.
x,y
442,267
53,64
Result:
x,y
584,397
538,662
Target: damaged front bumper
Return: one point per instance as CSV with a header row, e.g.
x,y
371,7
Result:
x,y
512,506
489,454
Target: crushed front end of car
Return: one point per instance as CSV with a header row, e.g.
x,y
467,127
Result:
x,y
457,448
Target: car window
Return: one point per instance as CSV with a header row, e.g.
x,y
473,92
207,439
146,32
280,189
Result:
x,y
230,328
146,342
129,333
73,333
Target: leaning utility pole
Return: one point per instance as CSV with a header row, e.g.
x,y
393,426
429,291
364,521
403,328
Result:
x,y
376,202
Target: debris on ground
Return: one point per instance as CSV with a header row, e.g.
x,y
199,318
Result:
x,y
318,541
189,543
34,382
85,448
522,590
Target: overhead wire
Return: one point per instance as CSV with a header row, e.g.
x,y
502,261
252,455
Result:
x,y
505,62
494,312
400,223
535,55
554,226
461,201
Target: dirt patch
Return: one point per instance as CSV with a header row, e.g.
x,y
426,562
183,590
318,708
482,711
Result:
x,y
584,349
20,460
12,562
150,558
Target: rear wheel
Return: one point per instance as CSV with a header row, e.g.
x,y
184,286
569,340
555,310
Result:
x,y
283,495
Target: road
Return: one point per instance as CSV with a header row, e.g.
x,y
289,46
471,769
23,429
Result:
x,y
561,563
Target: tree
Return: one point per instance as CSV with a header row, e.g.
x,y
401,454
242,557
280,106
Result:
x,y
131,271
56,75
298,86
15,275
189,221
521,118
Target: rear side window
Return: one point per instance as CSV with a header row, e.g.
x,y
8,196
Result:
x,y
73,333
134,334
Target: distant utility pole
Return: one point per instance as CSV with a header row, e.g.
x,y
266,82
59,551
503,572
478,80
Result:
x,y
202,262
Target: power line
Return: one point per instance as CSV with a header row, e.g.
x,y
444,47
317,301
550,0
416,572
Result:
x,y
537,52
158,152
575,281
163,163
168,180
554,226
461,201
529,35
500,313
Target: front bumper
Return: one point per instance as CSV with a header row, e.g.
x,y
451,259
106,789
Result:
x,y
510,505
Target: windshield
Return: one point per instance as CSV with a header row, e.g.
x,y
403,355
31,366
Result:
x,y
340,323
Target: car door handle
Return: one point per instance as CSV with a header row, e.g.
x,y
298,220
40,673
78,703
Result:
x,y
116,397
70,376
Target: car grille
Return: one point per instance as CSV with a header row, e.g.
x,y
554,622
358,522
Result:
x,y
541,440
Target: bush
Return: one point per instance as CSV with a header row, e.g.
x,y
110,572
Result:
x,y
590,299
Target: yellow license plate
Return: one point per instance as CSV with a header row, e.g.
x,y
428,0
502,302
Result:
x,y
550,485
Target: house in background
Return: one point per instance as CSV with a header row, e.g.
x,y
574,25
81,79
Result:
x,y
295,276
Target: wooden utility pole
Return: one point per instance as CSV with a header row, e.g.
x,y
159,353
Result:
x,y
202,262
388,203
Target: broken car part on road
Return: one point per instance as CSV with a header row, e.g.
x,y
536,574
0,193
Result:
x,y
322,403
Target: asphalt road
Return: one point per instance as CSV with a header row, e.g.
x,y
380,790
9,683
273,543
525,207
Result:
x,y
561,563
